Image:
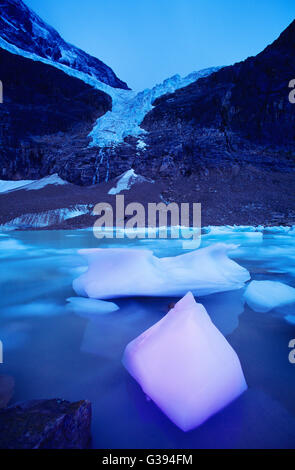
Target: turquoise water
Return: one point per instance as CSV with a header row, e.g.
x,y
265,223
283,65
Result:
x,y
53,352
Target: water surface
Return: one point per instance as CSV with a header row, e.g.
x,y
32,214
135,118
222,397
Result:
x,y
53,352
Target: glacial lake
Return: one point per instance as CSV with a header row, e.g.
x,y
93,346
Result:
x,y
54,352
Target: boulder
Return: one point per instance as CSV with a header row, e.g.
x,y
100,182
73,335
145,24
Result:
x,y
46,424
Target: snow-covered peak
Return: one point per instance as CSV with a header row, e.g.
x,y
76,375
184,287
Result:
x,y
20,26
28,185
126,180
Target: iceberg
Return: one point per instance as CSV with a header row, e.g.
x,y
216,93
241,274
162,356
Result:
x,y
185,365
120,272
263,296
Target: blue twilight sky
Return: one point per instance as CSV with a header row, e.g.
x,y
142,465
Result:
x,y
146,41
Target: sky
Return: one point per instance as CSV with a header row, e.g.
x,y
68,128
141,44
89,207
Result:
x,y
146,41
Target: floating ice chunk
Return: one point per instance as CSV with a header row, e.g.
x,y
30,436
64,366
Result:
x,y
121,272
277,229
263,296
82,305
185,365
247,233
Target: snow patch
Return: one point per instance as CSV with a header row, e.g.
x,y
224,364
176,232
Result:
x,y
126,180
28,185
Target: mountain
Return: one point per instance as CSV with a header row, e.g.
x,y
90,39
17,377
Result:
x,y
239,113
45,118
222,136
20,26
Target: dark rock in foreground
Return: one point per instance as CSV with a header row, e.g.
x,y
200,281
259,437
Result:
x,y
46,424
6,390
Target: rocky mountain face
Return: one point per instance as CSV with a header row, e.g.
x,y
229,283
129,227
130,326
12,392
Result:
x,y
20,26
235,122
46,117
239,114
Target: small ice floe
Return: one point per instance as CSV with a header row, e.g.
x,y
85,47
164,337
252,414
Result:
x,y
244,232
185,365
263,296
280,229
123,272
127,180
82,305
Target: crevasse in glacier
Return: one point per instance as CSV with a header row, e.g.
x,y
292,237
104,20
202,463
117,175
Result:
x,y
121,272
185,365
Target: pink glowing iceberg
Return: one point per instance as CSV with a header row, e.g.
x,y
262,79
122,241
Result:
x,y
124,272
185,365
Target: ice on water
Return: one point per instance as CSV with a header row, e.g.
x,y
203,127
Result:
x,y
263,296
121,272
84,306
185,365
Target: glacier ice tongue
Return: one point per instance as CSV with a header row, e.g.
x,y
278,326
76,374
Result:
x,y
129,109
123,272
263,296
185,365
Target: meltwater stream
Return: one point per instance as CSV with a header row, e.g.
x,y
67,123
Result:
x,y
55,352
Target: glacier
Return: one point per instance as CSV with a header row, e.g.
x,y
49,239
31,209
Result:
x,y
185,365
121,272
129,110
263,296
128,107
